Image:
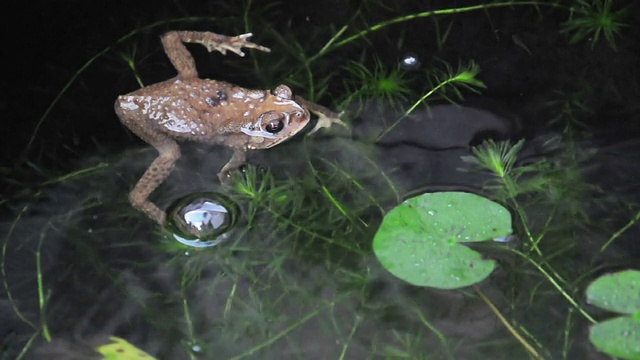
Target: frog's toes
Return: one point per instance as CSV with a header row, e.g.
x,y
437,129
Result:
x,y
236,44
325,121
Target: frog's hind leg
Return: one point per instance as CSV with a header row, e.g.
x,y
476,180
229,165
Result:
x,y
158,171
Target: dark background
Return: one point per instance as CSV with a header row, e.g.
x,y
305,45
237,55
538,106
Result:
x,y
56,38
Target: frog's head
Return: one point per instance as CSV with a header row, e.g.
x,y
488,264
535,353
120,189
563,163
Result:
x,y
280,119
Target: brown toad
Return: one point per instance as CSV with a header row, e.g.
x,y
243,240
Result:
x,y
189,108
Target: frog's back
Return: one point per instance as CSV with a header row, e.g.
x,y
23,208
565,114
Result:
x,y
193,108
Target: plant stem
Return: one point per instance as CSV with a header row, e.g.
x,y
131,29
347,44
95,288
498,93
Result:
x,y
556,285
414,106
506,323
617,234
425,14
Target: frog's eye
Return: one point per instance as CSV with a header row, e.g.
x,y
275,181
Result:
x,y
274,126
274,122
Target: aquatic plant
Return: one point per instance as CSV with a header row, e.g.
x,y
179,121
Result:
x,y
312,227
595,18
389,87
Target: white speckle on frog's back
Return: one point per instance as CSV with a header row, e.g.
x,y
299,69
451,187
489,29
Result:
x,y
128,103
288,103
174,123
168,112
151,106
257,94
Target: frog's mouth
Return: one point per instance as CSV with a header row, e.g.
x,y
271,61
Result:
x,y
260,133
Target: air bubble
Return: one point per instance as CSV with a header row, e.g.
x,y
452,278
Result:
x,y
202,220
409,61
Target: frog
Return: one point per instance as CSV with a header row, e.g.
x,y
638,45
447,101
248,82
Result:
x,y
188,108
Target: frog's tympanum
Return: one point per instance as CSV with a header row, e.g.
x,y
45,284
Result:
x,y
189,108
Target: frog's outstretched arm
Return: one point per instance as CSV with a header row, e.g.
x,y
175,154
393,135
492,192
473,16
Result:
x,y
181,58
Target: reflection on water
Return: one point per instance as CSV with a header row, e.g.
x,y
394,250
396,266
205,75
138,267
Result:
x,y
202,219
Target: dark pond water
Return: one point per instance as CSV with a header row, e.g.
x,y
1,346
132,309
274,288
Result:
x,y
287,270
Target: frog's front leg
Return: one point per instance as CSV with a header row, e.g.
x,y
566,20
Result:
x,y
238,158
326,117
182,59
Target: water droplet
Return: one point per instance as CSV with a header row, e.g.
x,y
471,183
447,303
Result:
x,y
504,239
409,61
202,220
431,212
195,348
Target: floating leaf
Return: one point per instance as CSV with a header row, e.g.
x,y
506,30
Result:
x,y
619,292
120,349
619,337
419,240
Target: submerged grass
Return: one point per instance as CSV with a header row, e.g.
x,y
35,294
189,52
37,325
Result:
x,y
302,258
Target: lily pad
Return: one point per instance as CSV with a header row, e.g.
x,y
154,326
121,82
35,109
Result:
x,y
618,292
619,337
419,241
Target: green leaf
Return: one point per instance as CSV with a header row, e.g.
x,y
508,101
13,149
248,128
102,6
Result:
x,y
120,349
419,240
619,337
619,292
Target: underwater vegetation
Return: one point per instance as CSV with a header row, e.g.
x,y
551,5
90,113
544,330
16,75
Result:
x,y
480,204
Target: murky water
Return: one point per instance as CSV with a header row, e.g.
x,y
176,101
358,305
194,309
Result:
x,y
278,264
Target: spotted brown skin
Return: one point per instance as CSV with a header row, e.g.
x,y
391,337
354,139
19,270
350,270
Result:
x,y
209,111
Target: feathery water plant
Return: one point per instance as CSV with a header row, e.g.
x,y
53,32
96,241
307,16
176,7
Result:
x,y
440,82
318,215
448,80
595,18
388,85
